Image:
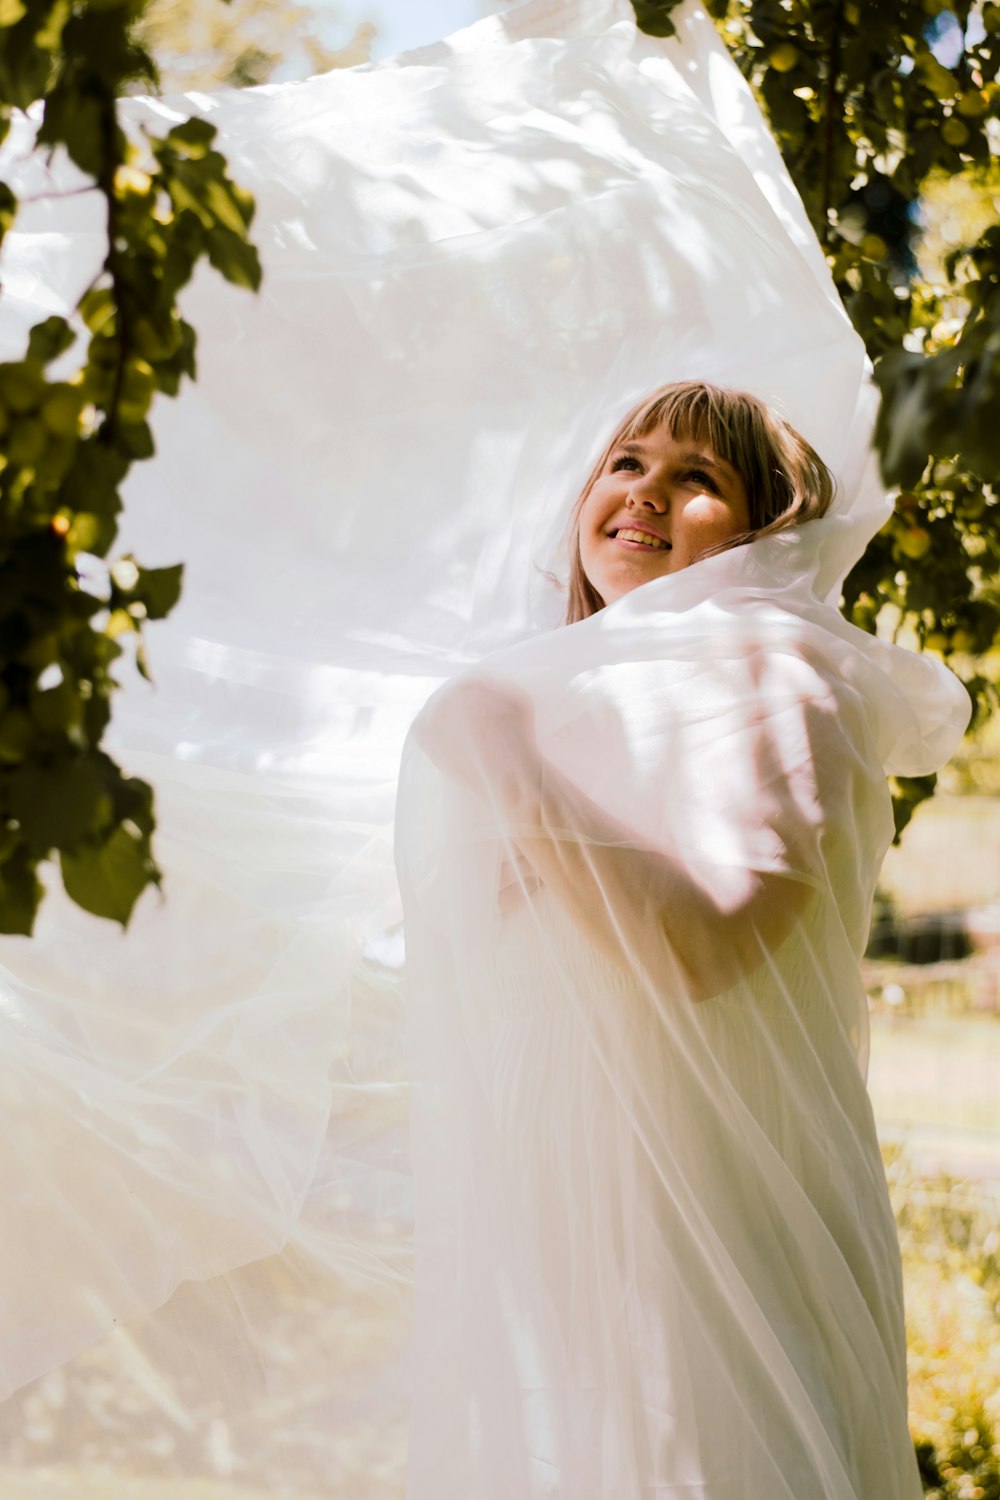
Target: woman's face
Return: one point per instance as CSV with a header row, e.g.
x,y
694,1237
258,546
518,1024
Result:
x,y
658,502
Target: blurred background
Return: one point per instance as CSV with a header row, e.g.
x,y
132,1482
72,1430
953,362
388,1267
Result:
x,y
202,44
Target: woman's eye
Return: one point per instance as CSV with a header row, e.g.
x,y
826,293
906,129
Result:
x,y
623,458
705,480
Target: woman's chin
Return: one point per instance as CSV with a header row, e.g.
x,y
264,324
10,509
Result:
x,y
623,582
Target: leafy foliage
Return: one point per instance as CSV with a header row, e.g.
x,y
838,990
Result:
x,y
68,441
873,103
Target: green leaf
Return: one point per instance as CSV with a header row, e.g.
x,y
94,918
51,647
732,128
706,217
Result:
x,y
97,309
936,77
235,258
20,894
91,487
49,37
909,792
97,710
22,385
653,16
57,710
142,661
76,121
169,372
185,188
900,433
159,589
58,805
222,205
49,339
135,439
192,138
90,533
134,800
108,878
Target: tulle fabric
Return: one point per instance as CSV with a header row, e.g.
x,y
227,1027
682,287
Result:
x,y
655,1249
629,1167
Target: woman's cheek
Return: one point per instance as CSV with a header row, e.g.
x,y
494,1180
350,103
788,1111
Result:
x,y
707,521
590,562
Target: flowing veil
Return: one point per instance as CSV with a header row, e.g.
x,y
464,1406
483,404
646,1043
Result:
x,y
477,256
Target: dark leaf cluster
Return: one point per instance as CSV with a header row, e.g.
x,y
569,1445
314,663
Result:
x,y
871,101
74,418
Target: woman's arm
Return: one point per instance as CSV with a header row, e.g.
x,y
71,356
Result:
x,y
643,910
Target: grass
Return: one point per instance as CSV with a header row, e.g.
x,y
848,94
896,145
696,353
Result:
x,y
949,1233
933,1078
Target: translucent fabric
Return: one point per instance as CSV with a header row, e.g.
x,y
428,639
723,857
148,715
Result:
x,y
655,1248
588,1202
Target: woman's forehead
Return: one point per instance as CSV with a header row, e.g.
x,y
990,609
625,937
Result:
x,y
677,420
691,433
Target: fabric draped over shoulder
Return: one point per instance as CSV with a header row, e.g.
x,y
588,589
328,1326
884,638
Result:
x,y
654,1242
582,1199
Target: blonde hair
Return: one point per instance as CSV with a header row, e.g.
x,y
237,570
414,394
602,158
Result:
x,y
786,480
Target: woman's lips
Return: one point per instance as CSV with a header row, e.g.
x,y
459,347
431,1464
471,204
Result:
x,y
631,536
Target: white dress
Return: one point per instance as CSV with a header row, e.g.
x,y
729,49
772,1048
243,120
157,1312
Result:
x,y
584,1350
655,1249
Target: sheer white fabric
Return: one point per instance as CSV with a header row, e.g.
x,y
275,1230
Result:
x,y
654,1253
655,1248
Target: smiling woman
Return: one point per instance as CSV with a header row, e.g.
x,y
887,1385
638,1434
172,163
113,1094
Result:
x,y
655,1249
691,470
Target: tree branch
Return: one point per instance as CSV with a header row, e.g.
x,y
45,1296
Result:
x,y
831,104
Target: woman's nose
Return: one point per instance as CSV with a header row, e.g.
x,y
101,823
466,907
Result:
x,y
648,494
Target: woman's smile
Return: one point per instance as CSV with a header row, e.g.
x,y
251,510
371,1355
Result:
x,y
632,536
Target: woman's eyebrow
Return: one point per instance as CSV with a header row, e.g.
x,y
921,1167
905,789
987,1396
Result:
x,y
689,456
707,461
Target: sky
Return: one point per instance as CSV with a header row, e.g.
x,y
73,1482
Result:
x,y
403,24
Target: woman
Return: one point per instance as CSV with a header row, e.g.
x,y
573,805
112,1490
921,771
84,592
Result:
x,y
655,1248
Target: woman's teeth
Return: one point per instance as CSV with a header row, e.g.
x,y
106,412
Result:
x,y
625,535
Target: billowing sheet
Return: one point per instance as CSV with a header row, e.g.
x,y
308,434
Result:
x,y
654,1244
